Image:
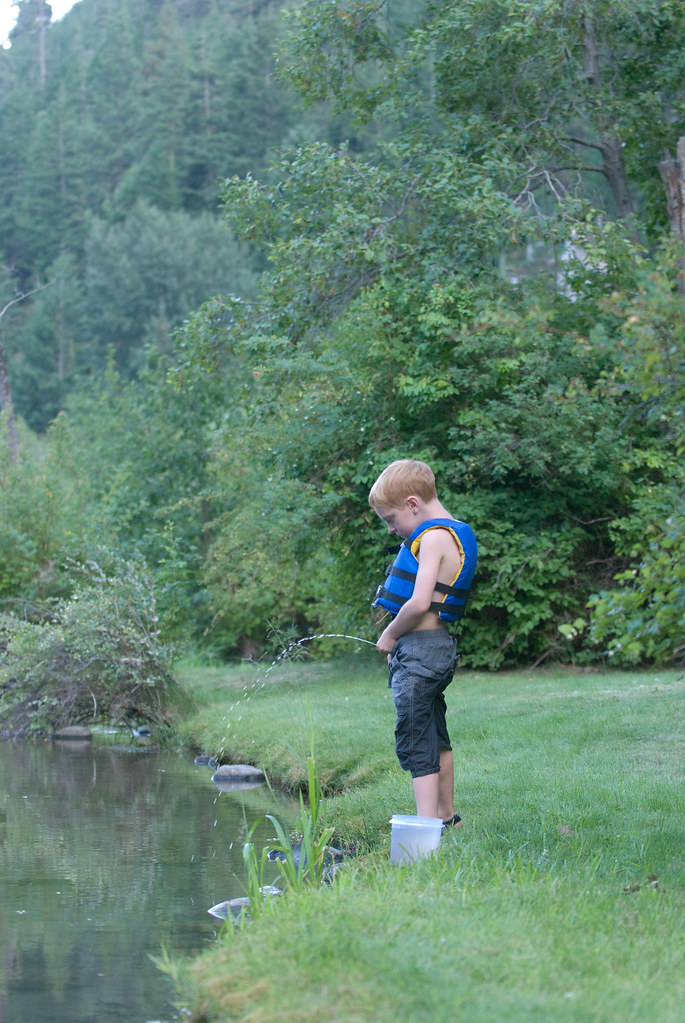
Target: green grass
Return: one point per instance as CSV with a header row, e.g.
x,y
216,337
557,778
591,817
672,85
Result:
x,y
256,715
560,899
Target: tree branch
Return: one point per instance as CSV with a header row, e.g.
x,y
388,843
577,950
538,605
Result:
x,y
583,142
5,389
25,294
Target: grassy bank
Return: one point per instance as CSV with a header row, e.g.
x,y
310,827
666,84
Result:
x,y
561,897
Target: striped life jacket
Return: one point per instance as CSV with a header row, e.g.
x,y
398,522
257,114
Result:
x,y
399,585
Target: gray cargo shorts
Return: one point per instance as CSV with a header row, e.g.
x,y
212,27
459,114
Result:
x,y
422,665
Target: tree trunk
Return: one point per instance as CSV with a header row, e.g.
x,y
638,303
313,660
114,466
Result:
x,y
672,172
6,406
42,20
615,173
610,146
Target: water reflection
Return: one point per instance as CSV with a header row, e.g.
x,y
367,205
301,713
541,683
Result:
x,y
105,857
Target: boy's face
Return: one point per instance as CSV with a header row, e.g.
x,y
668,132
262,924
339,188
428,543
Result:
x,y
400,519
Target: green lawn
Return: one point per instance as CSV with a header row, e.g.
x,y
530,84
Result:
x,y
560,899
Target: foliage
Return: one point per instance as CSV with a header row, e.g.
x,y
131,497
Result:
x,y
138,280
114,144
653,347
509,392
139,101
459,293
43,496
642,618
95,655
385,328
45,345
145,448
574,95
334,225
252,584
145,274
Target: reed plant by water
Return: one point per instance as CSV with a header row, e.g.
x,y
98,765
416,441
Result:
x,y
304,859
561,898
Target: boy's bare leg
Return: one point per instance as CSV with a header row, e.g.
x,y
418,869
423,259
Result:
x,y
426,794
434,793
446,785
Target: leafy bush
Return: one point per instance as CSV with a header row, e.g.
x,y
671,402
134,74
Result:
x,y
97,655
42,497
641,619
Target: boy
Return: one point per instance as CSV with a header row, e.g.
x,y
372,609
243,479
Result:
x,y
426,588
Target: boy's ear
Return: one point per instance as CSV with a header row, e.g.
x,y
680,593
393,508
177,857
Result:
x,y
413,502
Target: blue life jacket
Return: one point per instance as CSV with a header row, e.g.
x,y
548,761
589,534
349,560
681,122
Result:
x,y
399,585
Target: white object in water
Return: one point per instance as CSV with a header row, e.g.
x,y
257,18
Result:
x,y
413,837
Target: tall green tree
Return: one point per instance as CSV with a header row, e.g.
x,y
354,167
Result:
x,y
148,272
385,304
143,275
638,616
31,26
140,102
571,92
46,346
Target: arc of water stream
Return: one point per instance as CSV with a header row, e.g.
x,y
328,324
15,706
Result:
x,y
283,656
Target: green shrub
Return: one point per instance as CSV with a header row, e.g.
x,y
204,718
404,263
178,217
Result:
x,y
641,619
97,655
42,502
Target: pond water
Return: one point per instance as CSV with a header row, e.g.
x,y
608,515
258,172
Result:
x,y
106,857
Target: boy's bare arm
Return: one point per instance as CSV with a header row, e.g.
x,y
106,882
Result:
x,y
435,545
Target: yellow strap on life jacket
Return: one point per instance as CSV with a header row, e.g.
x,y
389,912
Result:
x,y
417,543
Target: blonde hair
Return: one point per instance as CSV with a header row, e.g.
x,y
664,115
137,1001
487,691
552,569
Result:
x,y
401,479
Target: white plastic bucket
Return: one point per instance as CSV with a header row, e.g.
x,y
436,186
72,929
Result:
x,y
413,837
